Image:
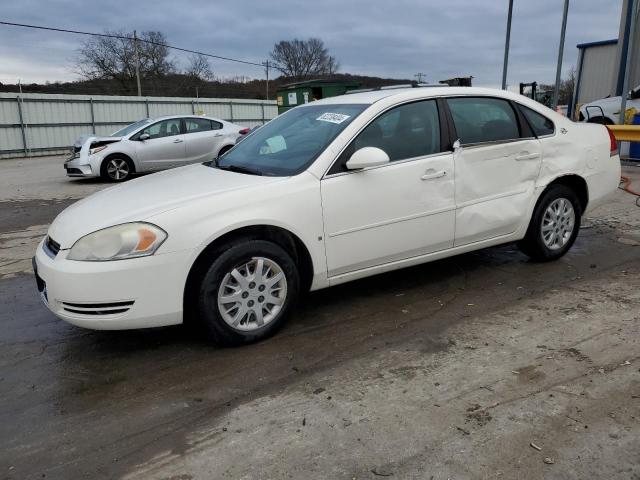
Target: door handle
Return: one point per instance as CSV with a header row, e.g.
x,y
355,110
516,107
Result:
x,y
431,176
217,135
527,156
178,140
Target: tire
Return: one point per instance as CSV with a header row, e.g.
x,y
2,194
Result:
x,y
547,238
224,150
116,169
236,321
600,120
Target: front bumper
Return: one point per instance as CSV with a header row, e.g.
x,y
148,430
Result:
x,y
79,166
118,295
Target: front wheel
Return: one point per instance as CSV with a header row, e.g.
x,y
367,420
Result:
x,y
554,225
247,292
116,169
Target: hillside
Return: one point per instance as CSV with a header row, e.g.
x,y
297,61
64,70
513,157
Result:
x,y
180,85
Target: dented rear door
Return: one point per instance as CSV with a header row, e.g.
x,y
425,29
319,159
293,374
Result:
x,y
495,168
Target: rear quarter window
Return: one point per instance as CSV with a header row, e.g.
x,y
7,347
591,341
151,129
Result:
x,y
540,124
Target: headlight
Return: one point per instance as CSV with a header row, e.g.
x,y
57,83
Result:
x,y
97,149
129,240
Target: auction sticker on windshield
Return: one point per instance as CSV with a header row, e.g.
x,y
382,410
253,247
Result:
x,y
333,117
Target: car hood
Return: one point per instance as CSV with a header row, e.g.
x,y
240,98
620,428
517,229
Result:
x,y
90,138
144,197
605,103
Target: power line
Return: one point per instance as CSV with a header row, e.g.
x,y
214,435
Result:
x,y
124,37
420,76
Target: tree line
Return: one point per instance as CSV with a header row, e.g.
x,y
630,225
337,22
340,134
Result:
x,y
111,61
107,66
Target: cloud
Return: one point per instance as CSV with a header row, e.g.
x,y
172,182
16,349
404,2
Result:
x,y
372,37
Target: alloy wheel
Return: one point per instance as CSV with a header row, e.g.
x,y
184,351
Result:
x,y
558,223
118,169
252,294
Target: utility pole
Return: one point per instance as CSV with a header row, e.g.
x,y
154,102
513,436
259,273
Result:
x,y
627,68
556,90
266,64
505,63
136,56
419,76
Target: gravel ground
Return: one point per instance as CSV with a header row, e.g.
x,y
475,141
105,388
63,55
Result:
x,y
480,366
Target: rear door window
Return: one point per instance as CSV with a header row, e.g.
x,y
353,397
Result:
x,y
194,125
483,119
540,124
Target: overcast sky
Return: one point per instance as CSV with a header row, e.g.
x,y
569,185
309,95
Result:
x,y
372,37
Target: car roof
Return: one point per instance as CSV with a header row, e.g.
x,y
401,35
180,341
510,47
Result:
x,y
410,93
373,96
184,115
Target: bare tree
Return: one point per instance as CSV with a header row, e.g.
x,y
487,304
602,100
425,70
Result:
x,y
303,58
333,65
567,85
199,68
114,58
154,54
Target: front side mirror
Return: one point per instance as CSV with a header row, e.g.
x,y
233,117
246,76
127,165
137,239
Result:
x,y
367,157
144,136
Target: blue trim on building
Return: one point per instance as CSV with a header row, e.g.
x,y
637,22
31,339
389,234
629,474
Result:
x,y
625,47
597,44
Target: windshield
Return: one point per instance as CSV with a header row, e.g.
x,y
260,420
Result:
x,y
131,128
288,144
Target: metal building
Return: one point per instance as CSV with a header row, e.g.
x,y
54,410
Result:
x,y
601,64
597,72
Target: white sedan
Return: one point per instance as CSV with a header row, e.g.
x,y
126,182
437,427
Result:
x,y
152,144
329,192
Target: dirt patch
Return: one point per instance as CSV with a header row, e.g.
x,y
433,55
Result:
x,y
575,354
530,373
478,415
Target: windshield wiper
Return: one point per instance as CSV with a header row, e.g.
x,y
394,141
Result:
x,y
240,169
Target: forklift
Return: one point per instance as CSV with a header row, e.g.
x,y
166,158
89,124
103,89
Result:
x,y
530,90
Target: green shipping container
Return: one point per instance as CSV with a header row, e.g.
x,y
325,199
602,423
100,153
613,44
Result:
x,y
299,93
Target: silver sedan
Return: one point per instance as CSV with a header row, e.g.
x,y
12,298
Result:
x,y
152,144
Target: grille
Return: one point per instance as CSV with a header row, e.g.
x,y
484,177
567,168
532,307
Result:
x,y
51,247
96,309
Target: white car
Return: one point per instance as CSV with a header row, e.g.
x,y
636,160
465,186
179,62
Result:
x,y
607,110
329,192
152,144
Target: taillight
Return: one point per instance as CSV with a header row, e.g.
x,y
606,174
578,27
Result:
x,y
613,148
244,131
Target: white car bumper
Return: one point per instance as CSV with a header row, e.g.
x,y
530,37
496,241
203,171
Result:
x,y
83,166
117,295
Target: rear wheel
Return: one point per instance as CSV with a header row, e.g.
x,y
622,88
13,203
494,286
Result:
x,y
224,150
554,225
600,120
247,292
116,169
